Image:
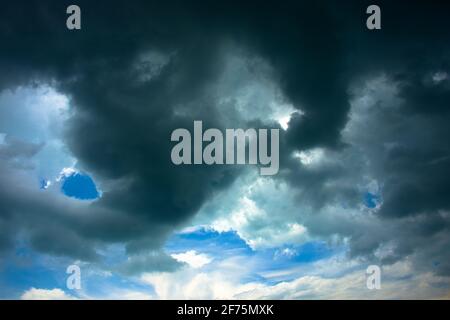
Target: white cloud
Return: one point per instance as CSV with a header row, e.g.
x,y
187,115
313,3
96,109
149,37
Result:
x,y
192,258
188,283
246,90
284,121
246,212
286,233
283,113
310,157
107,292
65,172
259,222
37,114
286,252
338,280
46,294
33,112
192,229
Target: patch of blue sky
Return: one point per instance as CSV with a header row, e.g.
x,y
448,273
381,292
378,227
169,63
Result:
x,y
304,253
26,269
111,285
371,200
23,269
208,241
292,256
80,186
224,245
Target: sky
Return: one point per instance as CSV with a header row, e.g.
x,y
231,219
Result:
x,y
86,176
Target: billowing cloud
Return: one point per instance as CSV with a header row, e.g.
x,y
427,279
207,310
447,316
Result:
x,y
46,294
337,281
192,258
364,118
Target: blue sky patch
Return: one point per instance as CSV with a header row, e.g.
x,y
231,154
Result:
x,y
371,200
80,186
209,241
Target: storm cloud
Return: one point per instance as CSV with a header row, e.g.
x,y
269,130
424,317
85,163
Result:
x,y
137,71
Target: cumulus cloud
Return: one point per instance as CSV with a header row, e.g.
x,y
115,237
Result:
x,y
189,283
192,258
46,294
330,279
264,214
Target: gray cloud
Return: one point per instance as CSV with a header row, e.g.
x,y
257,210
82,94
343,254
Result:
x,y
121,122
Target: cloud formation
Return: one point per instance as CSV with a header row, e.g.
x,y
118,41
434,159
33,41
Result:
x,y
366,109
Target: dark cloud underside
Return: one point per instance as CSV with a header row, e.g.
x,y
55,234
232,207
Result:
x,y
122,122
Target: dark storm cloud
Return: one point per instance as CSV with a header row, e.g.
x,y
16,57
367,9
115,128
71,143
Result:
x,y
406,148
408,157
121,128
124,111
